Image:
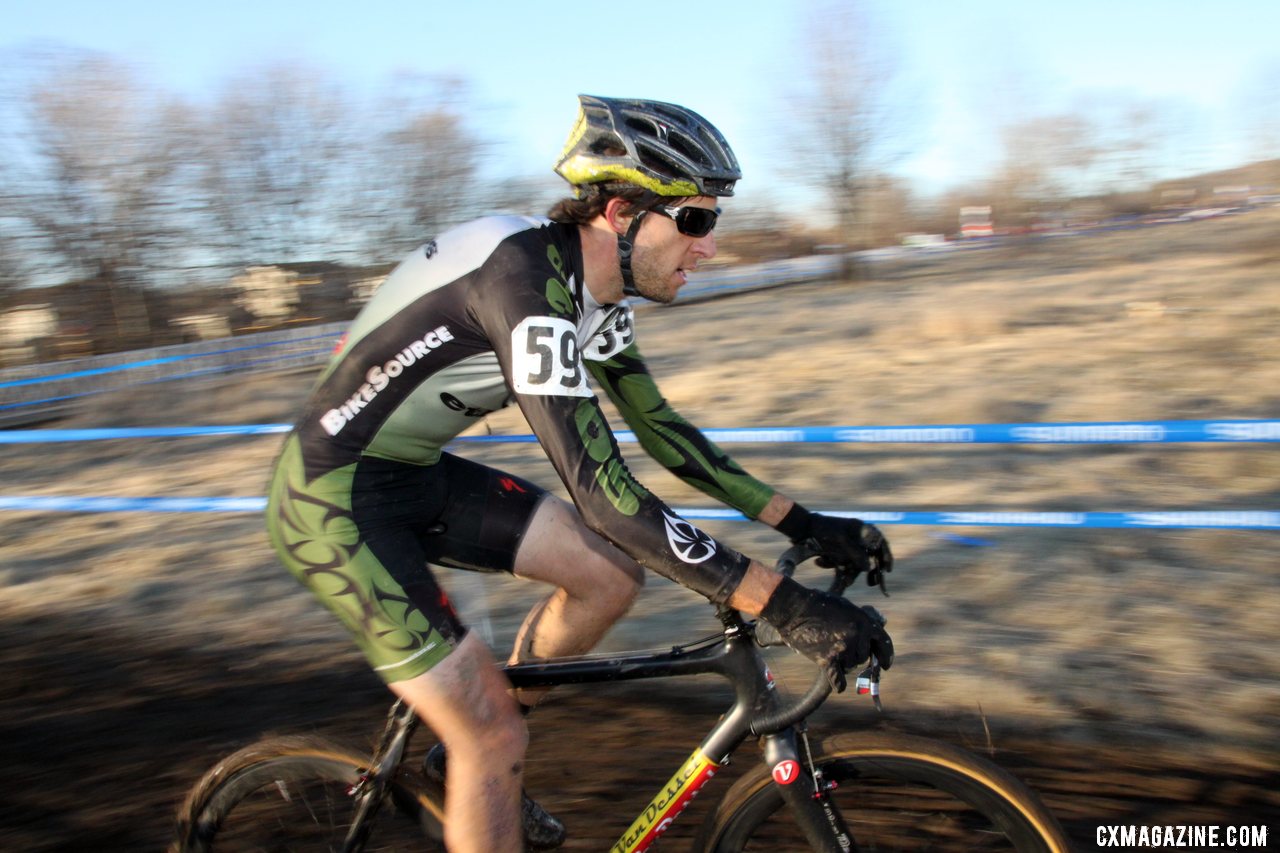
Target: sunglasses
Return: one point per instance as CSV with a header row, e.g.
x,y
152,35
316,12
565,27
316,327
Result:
x,y
690,221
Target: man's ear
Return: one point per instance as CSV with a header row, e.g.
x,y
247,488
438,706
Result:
x,y
617,212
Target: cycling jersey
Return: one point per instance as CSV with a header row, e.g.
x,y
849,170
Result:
x,y
490,313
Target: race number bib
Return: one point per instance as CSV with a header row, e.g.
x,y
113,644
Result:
x,y
545,358
614,336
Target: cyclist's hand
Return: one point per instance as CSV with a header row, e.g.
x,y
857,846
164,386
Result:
x,y
851,545
830,630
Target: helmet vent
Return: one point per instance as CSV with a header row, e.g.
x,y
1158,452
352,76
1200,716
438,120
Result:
x,y
665,148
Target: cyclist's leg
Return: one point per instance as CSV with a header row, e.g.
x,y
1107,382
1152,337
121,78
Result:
x,y
464,700
596,585
498,522
355,539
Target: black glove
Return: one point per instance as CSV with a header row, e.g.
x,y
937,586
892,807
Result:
x,y
828,629
847,544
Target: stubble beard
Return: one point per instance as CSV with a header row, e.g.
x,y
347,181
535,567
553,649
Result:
x,y
651,281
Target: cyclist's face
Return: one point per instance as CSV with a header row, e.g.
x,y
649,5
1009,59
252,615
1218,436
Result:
x,y
663,257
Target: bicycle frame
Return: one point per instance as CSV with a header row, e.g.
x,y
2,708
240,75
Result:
x,y
734,656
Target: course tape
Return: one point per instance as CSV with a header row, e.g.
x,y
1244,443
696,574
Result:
x,y
153,362
1148,432
44,436
305,355
1229,519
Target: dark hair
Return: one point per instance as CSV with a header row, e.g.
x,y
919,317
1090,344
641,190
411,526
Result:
x,y
595,197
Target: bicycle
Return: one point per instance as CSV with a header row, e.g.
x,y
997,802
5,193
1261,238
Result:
x,y
865,791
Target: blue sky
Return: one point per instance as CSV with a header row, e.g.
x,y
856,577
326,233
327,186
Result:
x,y
960,63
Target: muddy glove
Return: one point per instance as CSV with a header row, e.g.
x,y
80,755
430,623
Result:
x,y
847,544
832,631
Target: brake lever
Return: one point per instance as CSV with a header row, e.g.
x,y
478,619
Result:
x,y
877,577
869,682
846,575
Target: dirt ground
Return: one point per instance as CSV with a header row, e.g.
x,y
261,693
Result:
x,y
1130,676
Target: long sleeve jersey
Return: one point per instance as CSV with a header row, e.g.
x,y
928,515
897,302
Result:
x,y
494,312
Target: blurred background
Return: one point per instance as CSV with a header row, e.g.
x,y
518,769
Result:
x,y
992,213
172,174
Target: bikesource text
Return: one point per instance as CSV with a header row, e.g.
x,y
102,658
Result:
x,y
1183,836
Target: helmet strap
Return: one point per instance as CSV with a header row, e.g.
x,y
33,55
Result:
x,y
627,244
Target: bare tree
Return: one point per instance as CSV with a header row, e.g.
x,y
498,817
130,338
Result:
x,y
298,169
278,151
109,182
1135,139
14,268
1046,159
841,125
94,176
422,168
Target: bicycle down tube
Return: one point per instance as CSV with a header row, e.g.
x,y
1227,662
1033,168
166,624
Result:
x,y
733,656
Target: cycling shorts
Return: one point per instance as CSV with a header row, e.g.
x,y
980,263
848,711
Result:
x,y
360,539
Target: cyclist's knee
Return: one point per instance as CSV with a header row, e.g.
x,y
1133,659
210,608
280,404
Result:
x,y
560,549
465,700
620,592
607,593
501,741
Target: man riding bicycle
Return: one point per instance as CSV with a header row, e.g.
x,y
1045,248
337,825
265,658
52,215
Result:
x,y
520,309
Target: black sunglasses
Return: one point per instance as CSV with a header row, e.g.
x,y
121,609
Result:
x,y
690,221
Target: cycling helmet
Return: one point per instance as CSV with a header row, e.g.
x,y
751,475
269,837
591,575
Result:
x,y
667,149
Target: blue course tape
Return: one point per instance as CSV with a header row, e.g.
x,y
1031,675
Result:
x,y
1230,519
43,503
1237,519
1150,432
1052,433
39,436
190,374
152,362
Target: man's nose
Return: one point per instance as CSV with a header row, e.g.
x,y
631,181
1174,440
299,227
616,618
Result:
x,y
705,246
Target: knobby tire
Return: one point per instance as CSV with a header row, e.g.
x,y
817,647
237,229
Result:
x,y
897,793
292,793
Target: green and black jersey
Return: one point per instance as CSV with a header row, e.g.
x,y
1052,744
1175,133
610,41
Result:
x,y
495,312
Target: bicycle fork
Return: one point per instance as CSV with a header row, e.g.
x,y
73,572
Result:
x,y
807,793
799,781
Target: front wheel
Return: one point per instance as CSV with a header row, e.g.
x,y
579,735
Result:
x,y
296,794
896,793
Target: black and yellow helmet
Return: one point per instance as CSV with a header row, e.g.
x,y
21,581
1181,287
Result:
x,y
667,149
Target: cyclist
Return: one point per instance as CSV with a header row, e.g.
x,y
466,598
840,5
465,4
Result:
x,y
520,309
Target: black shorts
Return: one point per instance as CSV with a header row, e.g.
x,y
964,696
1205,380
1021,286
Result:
x,y
459,513
361,543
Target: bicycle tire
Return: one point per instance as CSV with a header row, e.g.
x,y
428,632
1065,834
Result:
x,y
896,792
293,794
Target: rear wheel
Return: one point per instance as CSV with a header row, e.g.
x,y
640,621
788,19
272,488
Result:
x,y
296,794
896,793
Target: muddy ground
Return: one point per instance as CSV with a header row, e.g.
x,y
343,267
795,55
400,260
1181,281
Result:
x,y
103,763
1133,677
